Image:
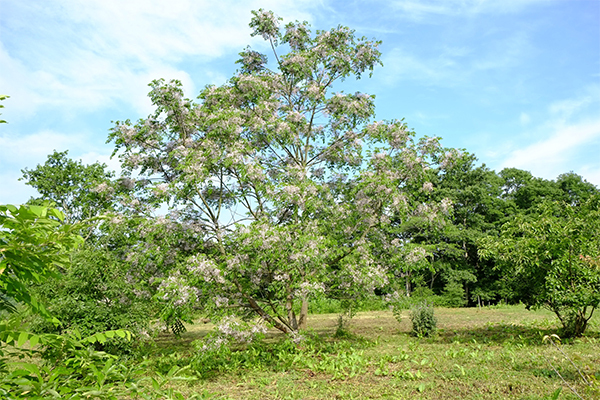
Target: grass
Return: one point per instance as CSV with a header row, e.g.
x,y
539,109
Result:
x,y
489,353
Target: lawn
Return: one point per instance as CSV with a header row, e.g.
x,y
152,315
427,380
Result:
x,y
488,353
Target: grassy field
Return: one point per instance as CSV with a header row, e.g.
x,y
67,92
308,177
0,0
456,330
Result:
x,y
489,353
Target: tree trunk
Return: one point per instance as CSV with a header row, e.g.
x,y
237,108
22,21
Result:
x,y
289,305
258,309
303,314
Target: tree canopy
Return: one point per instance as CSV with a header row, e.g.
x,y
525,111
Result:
x,y
287,181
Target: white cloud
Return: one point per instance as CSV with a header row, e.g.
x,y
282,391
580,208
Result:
x,y
547,157
13,190
30,150
591,174
566,138
98,53
565,109
564,148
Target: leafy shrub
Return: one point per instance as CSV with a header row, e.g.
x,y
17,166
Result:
x,y
423,320
93,295
339,357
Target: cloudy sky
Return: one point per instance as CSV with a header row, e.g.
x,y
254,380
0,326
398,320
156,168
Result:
x,y
517,82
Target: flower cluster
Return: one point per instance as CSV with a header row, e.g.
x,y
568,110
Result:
x,y
230,330
309,288
416,255
175,290
103,188
204,268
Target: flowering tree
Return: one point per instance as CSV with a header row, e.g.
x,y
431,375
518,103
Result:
x,y
289,182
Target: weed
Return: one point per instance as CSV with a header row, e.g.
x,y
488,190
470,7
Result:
x,y
423,320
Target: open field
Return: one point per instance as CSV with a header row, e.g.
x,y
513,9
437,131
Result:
x,y
489,353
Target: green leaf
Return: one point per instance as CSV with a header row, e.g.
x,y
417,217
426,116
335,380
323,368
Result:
x,y
34,340
32,368
101,337
23,336
38,210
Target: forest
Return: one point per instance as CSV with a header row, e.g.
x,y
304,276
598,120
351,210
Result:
x,y
270,202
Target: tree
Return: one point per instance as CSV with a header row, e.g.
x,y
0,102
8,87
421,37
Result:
x,y
80,191
477,211
288,184
525,191
551,260
574,189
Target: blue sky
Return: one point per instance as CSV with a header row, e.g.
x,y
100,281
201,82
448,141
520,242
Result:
x,y
517,82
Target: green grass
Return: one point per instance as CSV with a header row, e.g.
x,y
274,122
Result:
x,y
489,353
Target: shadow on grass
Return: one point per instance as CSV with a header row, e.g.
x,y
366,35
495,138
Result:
x,y
504,334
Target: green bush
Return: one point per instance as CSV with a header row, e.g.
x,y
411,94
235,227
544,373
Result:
x,y
423,320
93,295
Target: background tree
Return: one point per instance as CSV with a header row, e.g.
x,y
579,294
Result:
x,y
548,257
80,191
574,189
477,211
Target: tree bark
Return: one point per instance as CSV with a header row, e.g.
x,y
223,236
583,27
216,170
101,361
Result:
x,y
303,314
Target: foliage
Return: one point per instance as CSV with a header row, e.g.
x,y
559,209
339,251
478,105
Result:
x,y
70,369
288,184
423,319
550,259
79,191
108,268
94,294
340,358
3,97
33,244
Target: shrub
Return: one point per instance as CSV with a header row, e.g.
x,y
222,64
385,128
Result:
x,y
93,295
422,318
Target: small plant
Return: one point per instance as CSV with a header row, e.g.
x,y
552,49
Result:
x,y
423,321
